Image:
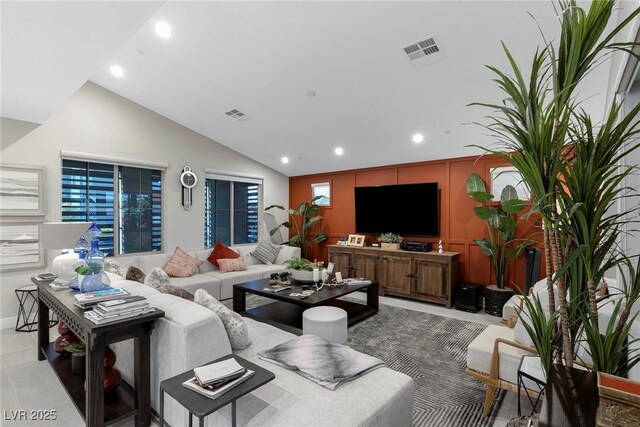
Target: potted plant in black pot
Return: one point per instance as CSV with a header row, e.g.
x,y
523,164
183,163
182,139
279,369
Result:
x,y
501,220
78,357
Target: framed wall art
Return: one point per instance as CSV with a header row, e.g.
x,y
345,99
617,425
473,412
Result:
x,y
20,246
22,193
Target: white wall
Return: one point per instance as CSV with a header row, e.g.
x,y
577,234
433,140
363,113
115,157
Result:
x,y
631,241
95,120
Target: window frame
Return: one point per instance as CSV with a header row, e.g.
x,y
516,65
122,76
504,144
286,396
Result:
x,y
115,163
232,178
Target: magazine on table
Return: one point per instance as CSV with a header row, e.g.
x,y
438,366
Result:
x,y
122,304
212,391
95,297
99,319
215,372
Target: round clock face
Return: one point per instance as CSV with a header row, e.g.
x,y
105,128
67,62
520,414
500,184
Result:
x,y
188,179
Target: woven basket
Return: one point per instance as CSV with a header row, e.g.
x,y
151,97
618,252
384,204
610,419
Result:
x,y
619,402
495,299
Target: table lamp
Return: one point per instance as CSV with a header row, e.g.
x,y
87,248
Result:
x,y
62,236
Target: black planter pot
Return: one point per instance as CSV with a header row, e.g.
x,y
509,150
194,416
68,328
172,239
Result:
x,y
78,363
495,298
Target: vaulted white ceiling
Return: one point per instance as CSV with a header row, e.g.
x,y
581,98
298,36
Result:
x,y
49,49
263,57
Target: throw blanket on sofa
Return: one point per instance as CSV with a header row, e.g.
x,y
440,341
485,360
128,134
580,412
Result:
x,y
321,361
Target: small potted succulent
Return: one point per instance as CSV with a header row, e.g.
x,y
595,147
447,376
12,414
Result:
x,y
78,357
390,241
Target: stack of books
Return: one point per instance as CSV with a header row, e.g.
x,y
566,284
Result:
x,y
118,309
214,379
89,299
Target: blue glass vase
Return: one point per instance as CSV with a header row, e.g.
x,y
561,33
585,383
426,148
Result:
x,y
95,279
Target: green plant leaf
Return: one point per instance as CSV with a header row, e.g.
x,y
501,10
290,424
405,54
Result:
x,y
508,193
482,212
475,184
312,221
320,237
486,247
275,207
513,206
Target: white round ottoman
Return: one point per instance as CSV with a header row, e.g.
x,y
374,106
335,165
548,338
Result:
x,y
326,322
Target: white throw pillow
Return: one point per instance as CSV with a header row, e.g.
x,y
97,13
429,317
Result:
x,y
234,324
157,278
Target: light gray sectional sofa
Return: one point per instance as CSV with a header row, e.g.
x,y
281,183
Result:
x,y
191,335
208,277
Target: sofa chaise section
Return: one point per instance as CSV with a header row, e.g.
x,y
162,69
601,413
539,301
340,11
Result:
x,y
190,335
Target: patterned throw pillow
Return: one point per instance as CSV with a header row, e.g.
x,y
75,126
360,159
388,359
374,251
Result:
x,y
233,264
113,266
177,291
182,264
266,252
135,274
157,278
235,326
221,251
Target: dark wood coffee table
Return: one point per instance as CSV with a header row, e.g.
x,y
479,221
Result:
x,y
286,311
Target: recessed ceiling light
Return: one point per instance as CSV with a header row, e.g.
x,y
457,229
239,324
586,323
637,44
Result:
x,y
284,160
117,71
163,30
417,138
339,151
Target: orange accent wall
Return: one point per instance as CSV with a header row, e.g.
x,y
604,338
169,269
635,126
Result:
x,y
458,224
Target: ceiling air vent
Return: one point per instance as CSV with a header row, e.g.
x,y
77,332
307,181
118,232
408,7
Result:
x,y
236,114
424,52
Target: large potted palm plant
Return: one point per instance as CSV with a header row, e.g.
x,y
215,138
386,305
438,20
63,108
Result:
x,y
501,219
302,225
572,168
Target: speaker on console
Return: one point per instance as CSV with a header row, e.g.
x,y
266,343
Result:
x,y
532,268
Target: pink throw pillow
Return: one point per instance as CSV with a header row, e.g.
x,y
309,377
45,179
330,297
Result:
x,y
182,264
231,264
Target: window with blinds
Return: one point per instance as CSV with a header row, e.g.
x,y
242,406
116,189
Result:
x,y
231,212
126,202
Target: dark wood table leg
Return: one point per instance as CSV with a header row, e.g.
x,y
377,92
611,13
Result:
x,y
94,373
372,296
142,378
239,300
233,414
161,407
43,328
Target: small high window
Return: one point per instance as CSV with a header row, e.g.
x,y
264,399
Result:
x,y
322,189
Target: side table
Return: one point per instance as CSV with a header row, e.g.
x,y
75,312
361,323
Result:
x,y
531,377
27,319
200,405
87,392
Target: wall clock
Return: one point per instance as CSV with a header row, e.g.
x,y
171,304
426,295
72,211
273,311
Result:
x,y
188,180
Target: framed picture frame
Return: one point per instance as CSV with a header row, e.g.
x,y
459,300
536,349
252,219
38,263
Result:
x,y
20,245
22,193
501,176
356,240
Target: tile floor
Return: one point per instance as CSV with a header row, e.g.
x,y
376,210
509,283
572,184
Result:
x,y
26,384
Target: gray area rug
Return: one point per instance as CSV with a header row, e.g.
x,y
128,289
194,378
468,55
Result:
x,y
432,350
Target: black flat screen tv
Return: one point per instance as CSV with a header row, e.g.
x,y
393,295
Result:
x,y
406,209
